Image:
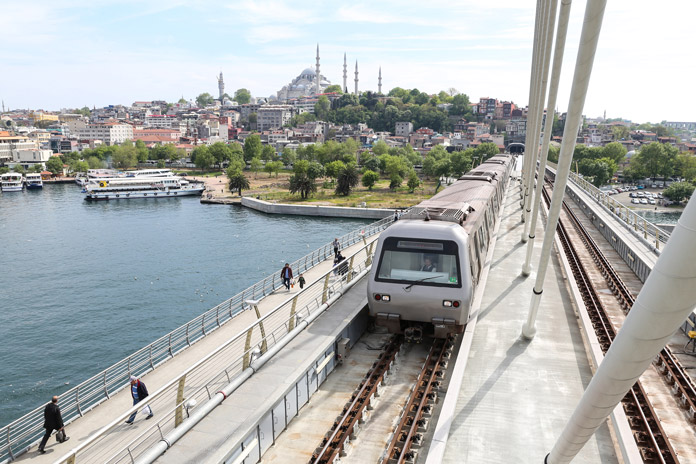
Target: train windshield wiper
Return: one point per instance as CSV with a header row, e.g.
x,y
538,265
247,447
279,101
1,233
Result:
x,y
408,287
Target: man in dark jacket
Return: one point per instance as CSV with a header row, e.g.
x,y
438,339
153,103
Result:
x,y
139,393
52,421
286,275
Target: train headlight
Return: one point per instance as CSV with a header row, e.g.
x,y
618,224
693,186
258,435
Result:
x,y
447,303
455,304
385,298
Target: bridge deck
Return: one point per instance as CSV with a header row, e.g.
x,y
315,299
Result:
x,y
517,395
82,428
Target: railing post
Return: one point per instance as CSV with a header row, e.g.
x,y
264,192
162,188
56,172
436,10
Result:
x,y
9,445
151,364
645,229
106,390
350,270
203,325
77,400
217,315
247,347
324,295
171,352
657,238
179,415
292,313
188,342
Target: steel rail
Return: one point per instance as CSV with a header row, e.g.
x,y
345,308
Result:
x,y
666,362
333,443
647,430
400,447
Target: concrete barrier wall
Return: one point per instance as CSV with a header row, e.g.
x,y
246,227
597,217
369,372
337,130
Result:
x,y
311,210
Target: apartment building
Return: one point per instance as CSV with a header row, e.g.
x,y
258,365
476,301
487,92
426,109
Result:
x,y
110,133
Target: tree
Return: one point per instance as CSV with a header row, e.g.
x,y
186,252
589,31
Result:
x,y
55,165
443,167
182,101
322,108
273,167
204,99
395,181
347,179
125,157
238,181
620,132
369,179
268,153
601,170
242,96
161,163
370,162
4,170
486,150
315,170
461,161
334,168
460,105
657,159
204,159
220,152
302,184
95,163
252,147
141,151
333,88
37,168
19,169
80,166
678,191
380,148
413,181
255,166
288,157
615,151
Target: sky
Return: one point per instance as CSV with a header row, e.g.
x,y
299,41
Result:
x,y
68,53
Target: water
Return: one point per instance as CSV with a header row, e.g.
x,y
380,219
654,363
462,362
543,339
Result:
x,y
659,218
85,284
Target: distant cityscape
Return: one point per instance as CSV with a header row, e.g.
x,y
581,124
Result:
x,y
307,110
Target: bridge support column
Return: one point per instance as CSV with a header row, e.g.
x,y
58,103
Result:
x,y
179,414
255,305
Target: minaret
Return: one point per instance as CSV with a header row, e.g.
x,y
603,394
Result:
x,y
356,77
345,74
221,86
318,76
379,82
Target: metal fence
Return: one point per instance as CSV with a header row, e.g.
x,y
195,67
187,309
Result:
x,y
226,365
28,429
652,235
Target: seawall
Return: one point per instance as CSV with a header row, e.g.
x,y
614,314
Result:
x,y
318,210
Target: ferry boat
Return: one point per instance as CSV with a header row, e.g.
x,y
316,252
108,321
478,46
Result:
x,y
150,173
11,182
33,181
117,188
98,174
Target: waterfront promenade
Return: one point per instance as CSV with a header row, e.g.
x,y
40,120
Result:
x,y
116,408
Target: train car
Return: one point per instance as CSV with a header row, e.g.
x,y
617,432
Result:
x,y
428,263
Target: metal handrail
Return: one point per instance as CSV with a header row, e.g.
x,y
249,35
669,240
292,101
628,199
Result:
x,y
653,235
77,401
220,367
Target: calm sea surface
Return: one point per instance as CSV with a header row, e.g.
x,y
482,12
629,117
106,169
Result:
x,y
85,284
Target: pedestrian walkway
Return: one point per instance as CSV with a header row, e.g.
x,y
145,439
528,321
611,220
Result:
x,y
81,429
516,395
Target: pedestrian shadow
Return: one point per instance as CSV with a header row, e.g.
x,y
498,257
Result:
x,y
517,281
515,350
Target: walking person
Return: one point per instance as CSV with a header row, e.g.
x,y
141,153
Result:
x,y
301,281
286,275
52,421
139,393
336,246
396,215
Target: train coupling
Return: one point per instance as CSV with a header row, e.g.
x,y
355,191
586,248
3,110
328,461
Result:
x,y
413,334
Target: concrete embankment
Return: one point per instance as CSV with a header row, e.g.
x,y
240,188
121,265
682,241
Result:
x,y
316,210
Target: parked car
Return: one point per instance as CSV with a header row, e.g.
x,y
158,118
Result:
x,y
653,186
641,187
651,201
643,201
632,194
635,200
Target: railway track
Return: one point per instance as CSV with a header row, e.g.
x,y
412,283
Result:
x,y
650,437
406,439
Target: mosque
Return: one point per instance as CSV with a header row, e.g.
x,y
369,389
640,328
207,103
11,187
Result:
x,y
312,82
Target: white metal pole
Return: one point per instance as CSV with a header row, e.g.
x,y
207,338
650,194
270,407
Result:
x,y
667,298
548,125
532,80
594,12
548,29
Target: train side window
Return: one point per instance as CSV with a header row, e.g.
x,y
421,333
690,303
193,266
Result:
x,y
474,258
482,240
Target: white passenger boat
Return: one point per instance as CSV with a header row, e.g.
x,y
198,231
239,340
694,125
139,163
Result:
x,y
150,173
33,181
11,182
117,188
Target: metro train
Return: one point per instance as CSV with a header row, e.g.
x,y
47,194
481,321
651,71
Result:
x,y
428,263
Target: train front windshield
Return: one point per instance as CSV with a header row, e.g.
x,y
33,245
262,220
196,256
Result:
x,y
419,262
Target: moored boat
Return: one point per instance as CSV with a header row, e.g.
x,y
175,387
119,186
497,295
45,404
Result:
x,y
33,181
117,188
11,182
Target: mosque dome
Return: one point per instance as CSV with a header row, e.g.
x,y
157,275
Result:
x,y
308,72
630,154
